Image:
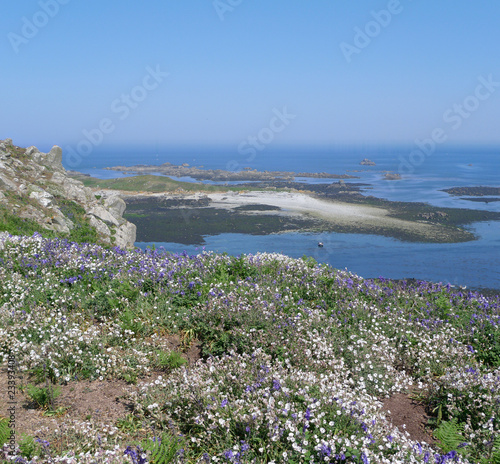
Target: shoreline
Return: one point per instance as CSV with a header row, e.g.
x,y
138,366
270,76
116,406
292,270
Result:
x,y
311,212
281,206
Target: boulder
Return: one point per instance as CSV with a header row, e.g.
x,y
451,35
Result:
x,y
104,215
115,205
30,151
101,228
126,235
7,184
58,178
43,197
74,189
52,159
62,224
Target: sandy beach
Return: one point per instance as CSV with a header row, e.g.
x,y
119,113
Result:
x,y
335,215
362,217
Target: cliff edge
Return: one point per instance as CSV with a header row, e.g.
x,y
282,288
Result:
x,y
34,186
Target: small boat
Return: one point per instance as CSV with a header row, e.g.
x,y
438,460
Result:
x,y
320,244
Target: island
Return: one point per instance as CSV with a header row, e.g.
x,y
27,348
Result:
x,y
478,194
166,210
220,175
473,191
367,162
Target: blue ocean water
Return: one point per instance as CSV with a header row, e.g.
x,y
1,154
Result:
x,y
474,264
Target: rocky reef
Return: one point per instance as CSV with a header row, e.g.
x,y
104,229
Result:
x,y
220,175
479,191
35,186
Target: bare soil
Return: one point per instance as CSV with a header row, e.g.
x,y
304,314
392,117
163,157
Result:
x,y
409,415
99,401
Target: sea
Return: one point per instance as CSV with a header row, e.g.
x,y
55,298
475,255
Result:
x,y
424,174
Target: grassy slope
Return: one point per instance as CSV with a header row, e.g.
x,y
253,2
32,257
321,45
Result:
x,y
299,349
149,183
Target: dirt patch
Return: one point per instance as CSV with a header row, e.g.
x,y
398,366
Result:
x,y
101,402
83,400
173,342
410,416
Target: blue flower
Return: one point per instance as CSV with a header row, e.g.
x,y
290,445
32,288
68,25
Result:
x,y
325,450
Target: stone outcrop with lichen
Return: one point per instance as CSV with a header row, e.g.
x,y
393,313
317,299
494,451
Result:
x,y
35,186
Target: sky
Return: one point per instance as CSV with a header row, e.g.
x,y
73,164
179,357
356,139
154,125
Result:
x,y
88,75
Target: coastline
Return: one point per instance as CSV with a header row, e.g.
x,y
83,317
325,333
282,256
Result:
x,y
341,215
166,210
307,212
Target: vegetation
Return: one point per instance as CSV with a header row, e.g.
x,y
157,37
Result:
x,y
82,231
149,183
15,225
296,358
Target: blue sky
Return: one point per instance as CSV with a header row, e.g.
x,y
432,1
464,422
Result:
x,y
360,72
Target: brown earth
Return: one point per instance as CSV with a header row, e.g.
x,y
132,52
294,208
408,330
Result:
x,y
101,402
409,415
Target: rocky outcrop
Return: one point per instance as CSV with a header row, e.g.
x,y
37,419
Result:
x,y
35,186
478,191
392,175
367,162
220,175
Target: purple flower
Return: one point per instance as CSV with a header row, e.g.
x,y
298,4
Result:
x,y
136,455
276,385
244,446
325,450
224,403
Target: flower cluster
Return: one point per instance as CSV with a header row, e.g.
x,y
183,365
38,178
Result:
x,y
297,358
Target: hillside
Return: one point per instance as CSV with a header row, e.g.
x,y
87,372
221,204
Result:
x,y
128,356
37,195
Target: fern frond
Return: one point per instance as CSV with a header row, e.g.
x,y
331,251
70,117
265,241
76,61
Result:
x,y
164,450
449,434
495,454
4,431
